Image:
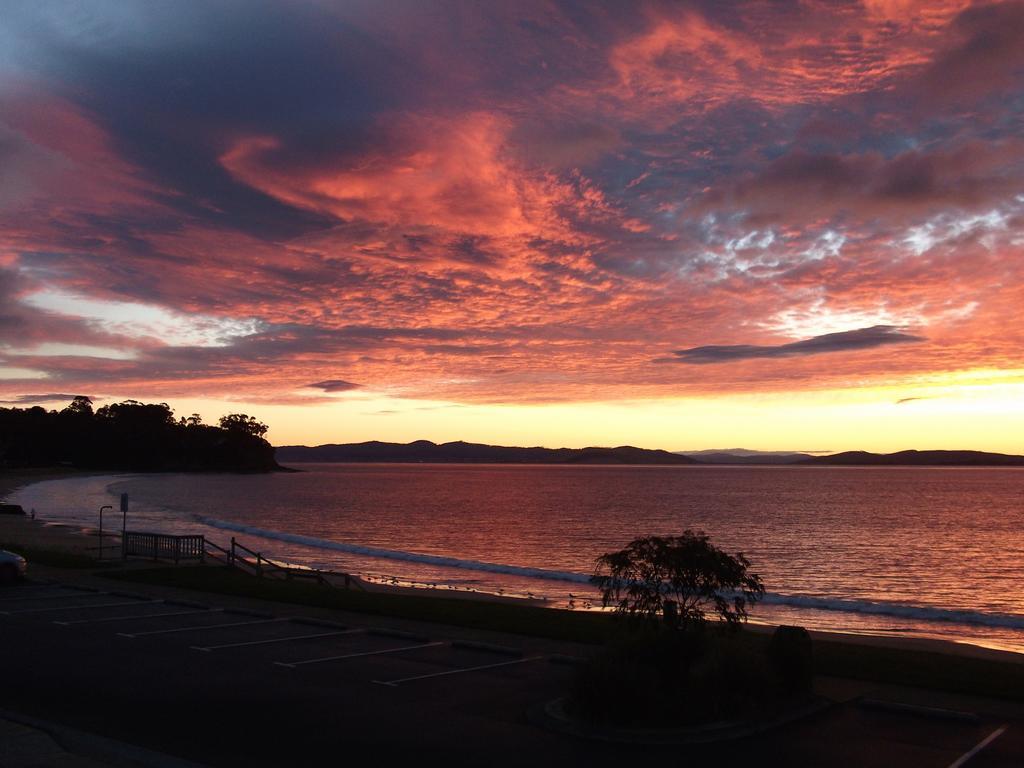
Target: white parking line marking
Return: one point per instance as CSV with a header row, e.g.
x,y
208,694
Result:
x,y
80,607
276,640
396,683
198,628
53,597
138,616
293,664
26,593
978,747
40,585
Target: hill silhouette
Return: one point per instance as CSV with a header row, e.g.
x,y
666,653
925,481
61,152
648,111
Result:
x,y
746,457
426,451
918,459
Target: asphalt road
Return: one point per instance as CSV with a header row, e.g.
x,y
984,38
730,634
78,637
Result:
x,y
225,687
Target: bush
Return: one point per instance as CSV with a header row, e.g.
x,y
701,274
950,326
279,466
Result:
x,y
665,669
792,659
733,680
605,690
655,679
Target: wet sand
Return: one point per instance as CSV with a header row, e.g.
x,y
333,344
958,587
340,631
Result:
x,y
13,479
35,534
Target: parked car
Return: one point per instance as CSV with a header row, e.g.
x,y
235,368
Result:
x,y
11,509
12,567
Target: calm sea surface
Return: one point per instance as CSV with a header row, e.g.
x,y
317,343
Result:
x,y
912,551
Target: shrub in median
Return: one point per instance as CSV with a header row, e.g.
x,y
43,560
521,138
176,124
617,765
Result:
x,y
670,665
792,658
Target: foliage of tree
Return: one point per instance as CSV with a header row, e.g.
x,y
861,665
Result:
x,y
80,405
130,435
240,422
677,579
195,420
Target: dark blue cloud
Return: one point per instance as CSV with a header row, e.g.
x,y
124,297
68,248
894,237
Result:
x,y
334,385
175,100
37,399
843,341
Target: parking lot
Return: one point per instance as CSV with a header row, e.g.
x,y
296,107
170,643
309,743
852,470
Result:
x,y
378,655
219,683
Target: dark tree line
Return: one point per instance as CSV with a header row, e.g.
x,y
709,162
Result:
x,y
142,437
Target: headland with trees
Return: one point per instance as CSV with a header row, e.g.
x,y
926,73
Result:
x,y
131,436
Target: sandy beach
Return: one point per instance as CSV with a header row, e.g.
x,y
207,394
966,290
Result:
x,y
36,534
12,480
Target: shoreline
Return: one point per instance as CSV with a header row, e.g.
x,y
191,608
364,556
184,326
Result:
x,y
82,541
38,534
34,534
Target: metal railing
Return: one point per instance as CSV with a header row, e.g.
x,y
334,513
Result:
x,y
257,564
162,546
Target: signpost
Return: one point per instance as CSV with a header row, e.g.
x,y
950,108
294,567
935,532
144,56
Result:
x,y
124,523
105,506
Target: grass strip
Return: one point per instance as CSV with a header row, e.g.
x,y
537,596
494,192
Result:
x,y
53,557
477,614
922,669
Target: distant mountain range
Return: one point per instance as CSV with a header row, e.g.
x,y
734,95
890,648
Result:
x,y
919,459
473,453
427,452
745,456
859,458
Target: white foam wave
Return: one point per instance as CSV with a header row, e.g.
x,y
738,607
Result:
x,y
914,612
394,554
911,612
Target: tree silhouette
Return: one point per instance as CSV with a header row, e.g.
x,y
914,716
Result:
x,y
80,405
133,436
240,422
195,420
677,578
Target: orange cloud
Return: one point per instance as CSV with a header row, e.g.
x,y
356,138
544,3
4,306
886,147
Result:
x,y
447,174
777,58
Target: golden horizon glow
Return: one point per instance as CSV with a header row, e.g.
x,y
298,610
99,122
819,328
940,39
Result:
x,y
982,417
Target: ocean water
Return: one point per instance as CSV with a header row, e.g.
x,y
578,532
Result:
x,y
925,552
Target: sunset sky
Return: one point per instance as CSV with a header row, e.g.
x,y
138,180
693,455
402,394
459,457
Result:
x,y
777,225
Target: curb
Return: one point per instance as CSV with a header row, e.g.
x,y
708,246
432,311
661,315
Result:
x,y
99,748
552,717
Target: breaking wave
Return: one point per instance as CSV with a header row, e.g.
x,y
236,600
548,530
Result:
x,y
916,612
395,554
913,612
